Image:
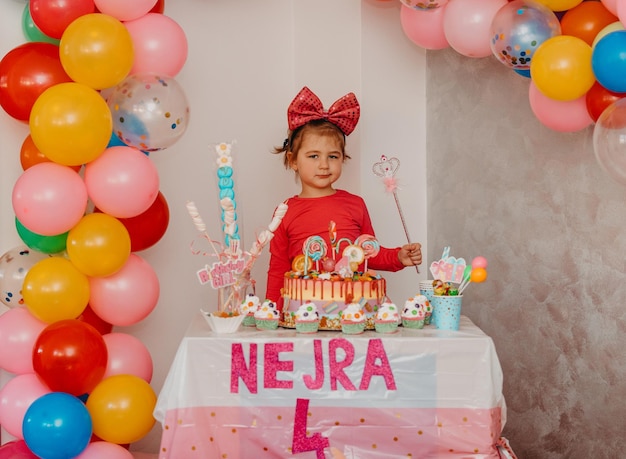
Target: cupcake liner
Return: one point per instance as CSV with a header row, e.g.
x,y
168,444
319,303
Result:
x,y
249,321
266,324
413,323
307,326
352,328
386,327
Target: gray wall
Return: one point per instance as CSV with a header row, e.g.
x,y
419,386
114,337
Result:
x,y
552,225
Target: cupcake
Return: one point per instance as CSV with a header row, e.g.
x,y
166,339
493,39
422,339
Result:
x,y
248,307
387,318
307,318
353,319
266,316
426,306
413,314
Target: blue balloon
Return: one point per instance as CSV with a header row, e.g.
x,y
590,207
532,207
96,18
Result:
x,y
523,72
57,426
608,61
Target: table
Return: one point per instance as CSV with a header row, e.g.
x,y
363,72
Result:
x,y
278,394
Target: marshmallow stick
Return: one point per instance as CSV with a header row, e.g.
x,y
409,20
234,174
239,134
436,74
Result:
x,y
386,168
200,225
266,235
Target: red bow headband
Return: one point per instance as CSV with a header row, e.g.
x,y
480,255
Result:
x,y
306,106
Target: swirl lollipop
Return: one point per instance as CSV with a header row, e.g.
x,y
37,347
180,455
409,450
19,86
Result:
x,y
370,246
315,248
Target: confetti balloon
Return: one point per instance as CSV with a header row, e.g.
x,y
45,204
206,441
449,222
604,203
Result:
x,y
518,29
608,135
150,112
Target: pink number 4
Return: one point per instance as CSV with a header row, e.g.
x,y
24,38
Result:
x,y
301,442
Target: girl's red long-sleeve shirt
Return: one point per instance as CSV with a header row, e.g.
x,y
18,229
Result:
x,y
307,217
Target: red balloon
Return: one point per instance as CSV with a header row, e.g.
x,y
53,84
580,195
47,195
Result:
x,y
16,450
26,72
93,319
598,98
53,16
70,356
147,228
159,7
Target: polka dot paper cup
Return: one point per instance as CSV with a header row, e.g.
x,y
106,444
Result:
x,y
447,311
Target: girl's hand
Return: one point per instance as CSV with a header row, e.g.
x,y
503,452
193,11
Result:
x,y
411,254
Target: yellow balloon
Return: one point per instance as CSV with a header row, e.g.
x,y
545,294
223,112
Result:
x,y
613,27
55,290
121,409
560,5
561,68
98,245
71,124
96,50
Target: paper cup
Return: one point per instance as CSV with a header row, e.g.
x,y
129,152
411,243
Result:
x,y
447,311
426,289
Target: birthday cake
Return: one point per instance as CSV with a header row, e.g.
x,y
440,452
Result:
x,y
332,284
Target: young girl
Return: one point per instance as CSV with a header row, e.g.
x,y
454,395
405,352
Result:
x,y
315,151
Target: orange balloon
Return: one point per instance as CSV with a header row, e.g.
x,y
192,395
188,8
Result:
x,y
30,155
478,275
586,20
121,409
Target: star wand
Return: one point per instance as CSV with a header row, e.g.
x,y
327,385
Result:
x,y
387,168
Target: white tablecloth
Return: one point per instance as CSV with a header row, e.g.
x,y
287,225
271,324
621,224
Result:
x,y
416,393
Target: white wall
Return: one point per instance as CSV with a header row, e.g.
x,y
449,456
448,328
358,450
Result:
x,y
247,59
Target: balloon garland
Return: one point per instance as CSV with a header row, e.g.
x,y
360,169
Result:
x,y
80,77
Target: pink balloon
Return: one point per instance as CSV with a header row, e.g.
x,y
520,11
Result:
x,y
122,182
558,115
125,10
467,25
128,296
127,356
19,330
15,398
104,450
160,45
424,28
16,450
610,5
49,199
479,262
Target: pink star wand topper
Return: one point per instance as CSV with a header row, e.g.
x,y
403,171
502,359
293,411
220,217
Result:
x,y
387,168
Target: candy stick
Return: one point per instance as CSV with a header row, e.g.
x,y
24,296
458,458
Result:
x,y
200,225
386,169
332,235
266,236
